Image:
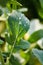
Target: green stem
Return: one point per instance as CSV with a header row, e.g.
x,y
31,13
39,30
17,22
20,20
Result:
x,y
31,47
12,49
1,57
14,44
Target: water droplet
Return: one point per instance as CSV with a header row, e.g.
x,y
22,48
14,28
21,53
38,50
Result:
x,y
20,22
24,25
19,18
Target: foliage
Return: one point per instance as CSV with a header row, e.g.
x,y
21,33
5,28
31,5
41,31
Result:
x,y
13,26
35,8
36,36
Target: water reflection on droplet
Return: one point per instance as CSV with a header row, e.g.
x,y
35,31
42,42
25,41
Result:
x,y
24,24
19,18
20,22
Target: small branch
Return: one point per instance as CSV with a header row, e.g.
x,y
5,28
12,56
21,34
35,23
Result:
x,y
31,47
12,49
1,57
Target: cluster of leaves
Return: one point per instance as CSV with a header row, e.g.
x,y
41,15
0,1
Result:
x,y
17,24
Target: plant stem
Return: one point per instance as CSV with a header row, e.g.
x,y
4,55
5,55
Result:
x,y
31,47
12,49
14,43
1,57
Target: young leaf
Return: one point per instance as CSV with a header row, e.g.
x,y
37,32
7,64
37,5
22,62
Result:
x,y
38,54
36,36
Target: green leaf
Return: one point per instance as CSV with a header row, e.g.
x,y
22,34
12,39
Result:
x,y
13,23
41,2
18,24
36,36
38,54
1,41
16,3
40,12
5,54
3,2
23,44
1,12
14,61
10,39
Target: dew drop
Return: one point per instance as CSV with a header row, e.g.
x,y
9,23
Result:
x,y
20,22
